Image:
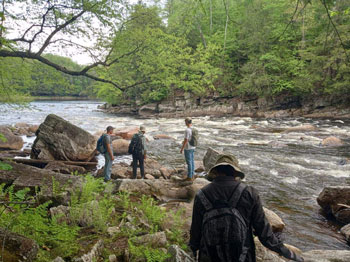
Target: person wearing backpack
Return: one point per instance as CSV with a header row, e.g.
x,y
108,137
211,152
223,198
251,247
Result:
x,y
226,213
138,149
104,146
188,147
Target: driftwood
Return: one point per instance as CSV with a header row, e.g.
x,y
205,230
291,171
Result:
x,y
42,163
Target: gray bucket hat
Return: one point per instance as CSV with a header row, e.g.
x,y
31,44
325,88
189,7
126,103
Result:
x,y
214,159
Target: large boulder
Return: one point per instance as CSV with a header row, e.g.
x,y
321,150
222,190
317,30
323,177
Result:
x,y
327,256
17,247
57,139
120,146
332,141
336,201
10,141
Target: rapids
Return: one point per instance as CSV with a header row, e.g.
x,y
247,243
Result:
x,y
288,169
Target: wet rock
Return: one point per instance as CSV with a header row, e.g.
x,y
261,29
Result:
x,y
94,254
332,141
327,256
148,110
17,245
58,139
274,220
156,240
178,255
126,133
302,128
64,169
120,146
162,136
345,230
12,142
332,199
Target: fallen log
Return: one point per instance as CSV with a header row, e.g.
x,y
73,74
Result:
x,y
42,163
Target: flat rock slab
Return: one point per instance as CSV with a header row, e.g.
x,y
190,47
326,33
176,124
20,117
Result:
x,y
327,256
50,183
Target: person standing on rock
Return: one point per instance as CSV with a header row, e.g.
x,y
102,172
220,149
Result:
x,y
138,150
107,141
188,149
226,212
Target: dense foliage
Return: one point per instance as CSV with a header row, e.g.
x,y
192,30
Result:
x,y
243,47
25,77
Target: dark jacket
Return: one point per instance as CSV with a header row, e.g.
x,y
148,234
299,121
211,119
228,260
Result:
x,y
250,208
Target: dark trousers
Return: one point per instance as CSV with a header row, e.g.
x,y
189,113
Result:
x,y
138,159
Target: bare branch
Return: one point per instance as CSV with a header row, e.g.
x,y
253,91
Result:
x,y
59,28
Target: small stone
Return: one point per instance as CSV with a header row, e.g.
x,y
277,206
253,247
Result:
x,y
112,258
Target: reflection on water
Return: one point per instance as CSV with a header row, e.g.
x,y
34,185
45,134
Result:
x,y
288,169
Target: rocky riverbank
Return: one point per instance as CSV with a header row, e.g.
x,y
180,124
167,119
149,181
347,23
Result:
x,y
271,107
126,220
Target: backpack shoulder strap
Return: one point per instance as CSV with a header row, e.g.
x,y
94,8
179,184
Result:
x,y
236,195
204,200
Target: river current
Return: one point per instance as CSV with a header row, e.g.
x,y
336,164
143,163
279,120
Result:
x,y
288,169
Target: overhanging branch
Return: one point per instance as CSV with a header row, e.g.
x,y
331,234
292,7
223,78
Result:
x,y
33,56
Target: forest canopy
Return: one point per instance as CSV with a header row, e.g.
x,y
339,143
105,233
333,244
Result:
x,y
146,52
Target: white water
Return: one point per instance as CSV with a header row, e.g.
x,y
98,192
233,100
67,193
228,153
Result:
x,y
288,169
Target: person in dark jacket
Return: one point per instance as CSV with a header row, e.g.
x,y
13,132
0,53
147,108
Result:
x,y
225,176
140,153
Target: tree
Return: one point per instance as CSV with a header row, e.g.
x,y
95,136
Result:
x,y
29,28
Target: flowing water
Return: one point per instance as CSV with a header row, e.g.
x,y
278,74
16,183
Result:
x,y
288,169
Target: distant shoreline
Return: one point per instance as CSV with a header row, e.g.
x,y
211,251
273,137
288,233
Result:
x,y
63,98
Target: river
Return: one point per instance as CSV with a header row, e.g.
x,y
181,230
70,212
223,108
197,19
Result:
x,y
288,169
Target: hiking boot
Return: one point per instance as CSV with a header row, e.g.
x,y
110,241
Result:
x,y
189,179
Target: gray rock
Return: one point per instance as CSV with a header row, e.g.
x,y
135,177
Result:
x,y
120,146
274,220
58,139
52,186
265,255
113,230
178,255
345,230
12,142
302,128
156,240
64,169
327,256
94,254
61,213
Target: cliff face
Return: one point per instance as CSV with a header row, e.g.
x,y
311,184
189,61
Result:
x,y
270,107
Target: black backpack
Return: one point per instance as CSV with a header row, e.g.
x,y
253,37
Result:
x,y
100,146
194,138
224,230
135,146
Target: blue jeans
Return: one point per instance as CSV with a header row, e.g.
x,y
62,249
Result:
x,y
108,167
189,156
